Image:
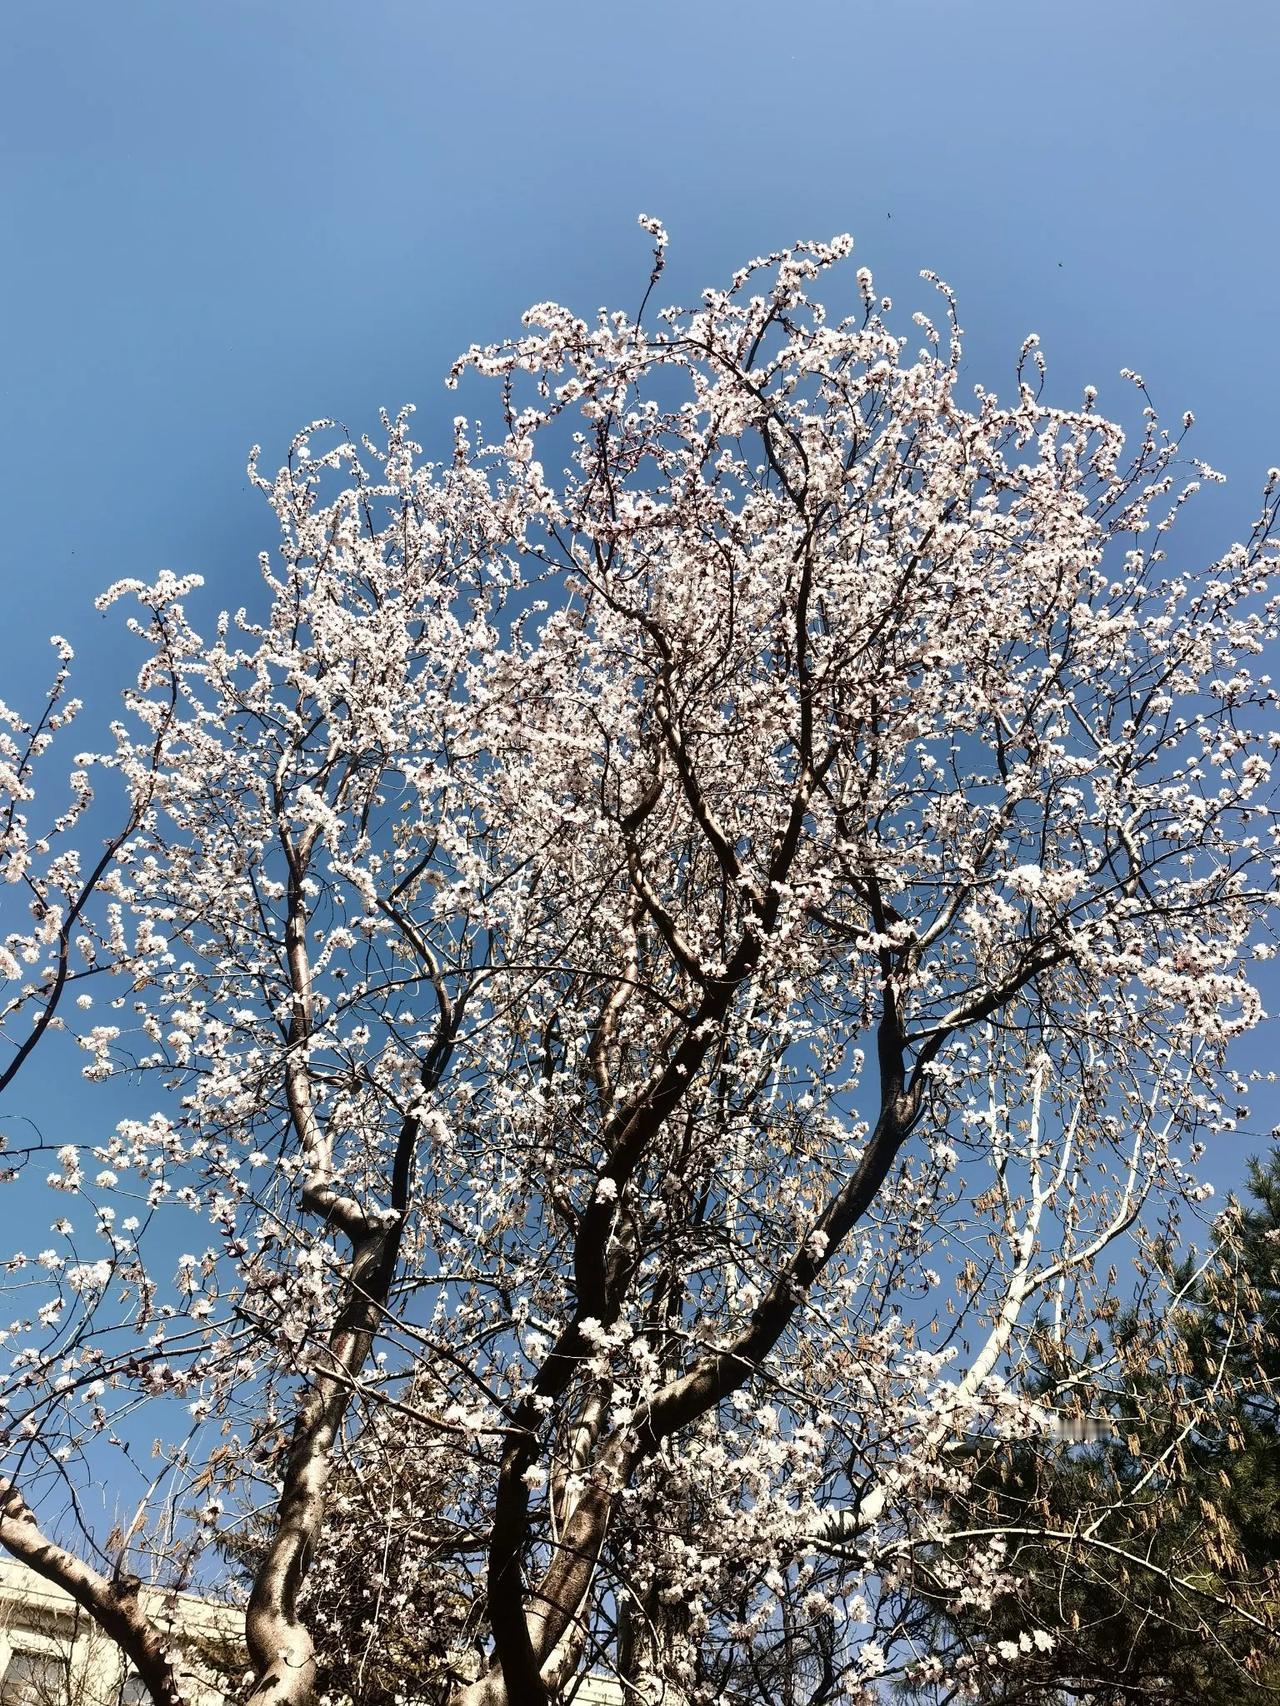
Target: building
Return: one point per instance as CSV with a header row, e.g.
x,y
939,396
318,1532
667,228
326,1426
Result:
x,y
52,1654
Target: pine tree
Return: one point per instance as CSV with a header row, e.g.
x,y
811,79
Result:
x,y
1136,1540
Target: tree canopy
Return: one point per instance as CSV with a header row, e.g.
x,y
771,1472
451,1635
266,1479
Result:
x,y
659,986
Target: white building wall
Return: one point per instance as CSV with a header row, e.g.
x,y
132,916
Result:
x,y
42,1628
42,1623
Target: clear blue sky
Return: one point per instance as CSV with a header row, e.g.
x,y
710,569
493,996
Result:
x,y
223,218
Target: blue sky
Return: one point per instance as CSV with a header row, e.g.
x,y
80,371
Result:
x,y
224,218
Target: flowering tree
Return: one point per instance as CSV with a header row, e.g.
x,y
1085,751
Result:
x,y
605,948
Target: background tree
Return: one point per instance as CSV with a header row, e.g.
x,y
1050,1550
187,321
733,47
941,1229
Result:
x,y
604,948
1181,1602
